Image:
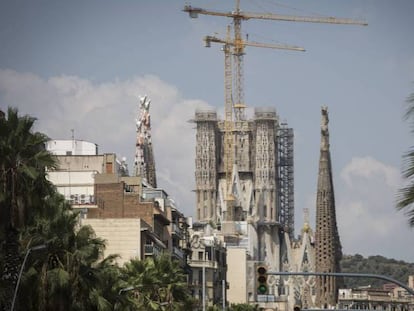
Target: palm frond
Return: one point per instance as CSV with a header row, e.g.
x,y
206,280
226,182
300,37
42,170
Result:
x,y
405,196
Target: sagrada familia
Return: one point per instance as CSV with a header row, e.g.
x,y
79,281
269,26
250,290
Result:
x,y
252,208
248,208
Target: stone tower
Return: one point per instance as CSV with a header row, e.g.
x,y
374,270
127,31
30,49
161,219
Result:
x,y
144,163
328,247
206,163
260,208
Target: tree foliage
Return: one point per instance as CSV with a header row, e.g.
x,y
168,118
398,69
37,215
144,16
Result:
x,y
236,307
23,164
405,198
158,284
395,269
23,188
243,307
70,272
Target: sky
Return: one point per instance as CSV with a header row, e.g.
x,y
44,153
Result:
x,y
83,64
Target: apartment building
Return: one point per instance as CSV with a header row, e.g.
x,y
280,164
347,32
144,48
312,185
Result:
x,y
136,221
208,263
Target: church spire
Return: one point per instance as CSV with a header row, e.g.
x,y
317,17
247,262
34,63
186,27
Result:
x,y
327,243
144,163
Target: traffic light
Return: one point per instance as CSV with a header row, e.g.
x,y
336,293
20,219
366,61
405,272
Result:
x,y
261,280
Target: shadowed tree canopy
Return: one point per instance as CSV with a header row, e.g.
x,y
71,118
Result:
x,y
23,187
23,165
157,284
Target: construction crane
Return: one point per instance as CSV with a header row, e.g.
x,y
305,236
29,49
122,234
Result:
x,y
238,106
228,116
238,51
234,102
238,43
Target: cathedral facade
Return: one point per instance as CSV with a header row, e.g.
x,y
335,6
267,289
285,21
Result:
x,y
250,207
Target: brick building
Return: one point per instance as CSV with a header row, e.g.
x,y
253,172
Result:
x,y
136,221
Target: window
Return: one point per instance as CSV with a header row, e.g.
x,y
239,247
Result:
x,y
200,276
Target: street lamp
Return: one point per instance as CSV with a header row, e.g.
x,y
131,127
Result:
x,y
34,248
204,274
204,280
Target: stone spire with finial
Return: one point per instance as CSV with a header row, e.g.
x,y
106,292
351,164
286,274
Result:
x,y
327,243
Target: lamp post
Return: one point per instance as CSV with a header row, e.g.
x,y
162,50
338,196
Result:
x,y
204,273
223,285
34,248
204,281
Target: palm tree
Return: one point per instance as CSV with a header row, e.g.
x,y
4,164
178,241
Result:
x,y
243,307
22,166
23,185
72,274
157,284
405,198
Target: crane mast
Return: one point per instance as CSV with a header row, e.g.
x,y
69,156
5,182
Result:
x,y
238,52
228,111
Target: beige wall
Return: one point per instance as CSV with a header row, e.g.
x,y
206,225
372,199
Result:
x,y
81,163
122,235
236,275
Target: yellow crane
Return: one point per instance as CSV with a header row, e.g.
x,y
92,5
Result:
x,y
238,43
235,46
238,106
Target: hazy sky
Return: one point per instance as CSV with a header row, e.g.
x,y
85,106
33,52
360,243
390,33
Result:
x,y
82,65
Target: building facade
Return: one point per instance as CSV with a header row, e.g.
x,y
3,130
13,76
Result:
x,y
393,298
136,221
71,147
208,263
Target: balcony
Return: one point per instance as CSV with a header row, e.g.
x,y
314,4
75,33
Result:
x,y
151,250
148,249
177,230
178,252
206,263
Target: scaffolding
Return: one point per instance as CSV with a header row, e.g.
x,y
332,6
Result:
x,y
285,179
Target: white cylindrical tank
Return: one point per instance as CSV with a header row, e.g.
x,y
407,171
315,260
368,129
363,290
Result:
x,y
71,147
